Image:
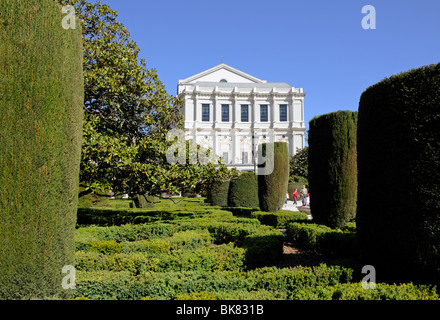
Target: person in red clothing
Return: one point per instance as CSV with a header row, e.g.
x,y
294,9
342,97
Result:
x,y
295,196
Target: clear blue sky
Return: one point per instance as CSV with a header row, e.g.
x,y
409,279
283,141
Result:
x,y
318,45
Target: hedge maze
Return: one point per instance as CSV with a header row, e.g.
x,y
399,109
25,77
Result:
x,y
207,252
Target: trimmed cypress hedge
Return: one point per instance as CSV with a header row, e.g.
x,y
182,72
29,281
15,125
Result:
x,y
218,194
333,168
41,99
399,167
243,191
272,188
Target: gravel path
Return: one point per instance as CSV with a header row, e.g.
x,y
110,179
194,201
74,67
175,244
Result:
x,y
293,257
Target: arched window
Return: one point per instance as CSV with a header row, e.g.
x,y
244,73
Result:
x,y
223,81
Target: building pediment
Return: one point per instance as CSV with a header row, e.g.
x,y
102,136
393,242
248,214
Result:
x,y
222,73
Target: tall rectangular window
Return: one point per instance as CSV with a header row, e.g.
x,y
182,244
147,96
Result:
x,y
264,113
283,112
244,113
205,112
225,157
245,158
225,113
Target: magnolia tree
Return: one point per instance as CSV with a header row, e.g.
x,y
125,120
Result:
x,y
128,114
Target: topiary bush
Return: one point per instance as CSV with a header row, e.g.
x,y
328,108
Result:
x,y
272,188
243,191
333,168
218,194
399,166
41,102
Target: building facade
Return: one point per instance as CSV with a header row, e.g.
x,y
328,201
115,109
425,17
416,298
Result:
x,y
232,112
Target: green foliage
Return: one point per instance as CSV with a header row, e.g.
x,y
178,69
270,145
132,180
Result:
x,y
111,217
218,193
399,165
240,211
299,166
128,114
278,220
333,168
261,245
272,187
332,243
283,283
143,201
243,191
317,283
306,234
217,256
222,257
264,247
355,291
92,199
41,94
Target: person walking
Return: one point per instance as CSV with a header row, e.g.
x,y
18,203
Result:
x,y
304,195
287,197
295,196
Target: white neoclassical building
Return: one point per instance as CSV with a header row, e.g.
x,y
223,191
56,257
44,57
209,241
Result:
x,y
232,112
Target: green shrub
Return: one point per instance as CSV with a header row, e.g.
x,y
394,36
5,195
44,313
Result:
x,y
122,233
240,211
218,194
306,234
278,220
234,295
399,165
221,257
354,291
114,217
106,247
41,103
338,244
285,283
333,168
272,187
188,240
243,191
263,248
332,243
151,246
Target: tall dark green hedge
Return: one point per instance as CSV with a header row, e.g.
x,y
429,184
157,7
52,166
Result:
x,y
398,218
243,191
272,188
218,194
333,168
41,99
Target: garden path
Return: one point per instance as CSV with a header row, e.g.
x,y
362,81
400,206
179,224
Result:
x,y
293,256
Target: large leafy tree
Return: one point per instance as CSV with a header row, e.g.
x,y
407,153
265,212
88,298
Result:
x,y
299,165
128,114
